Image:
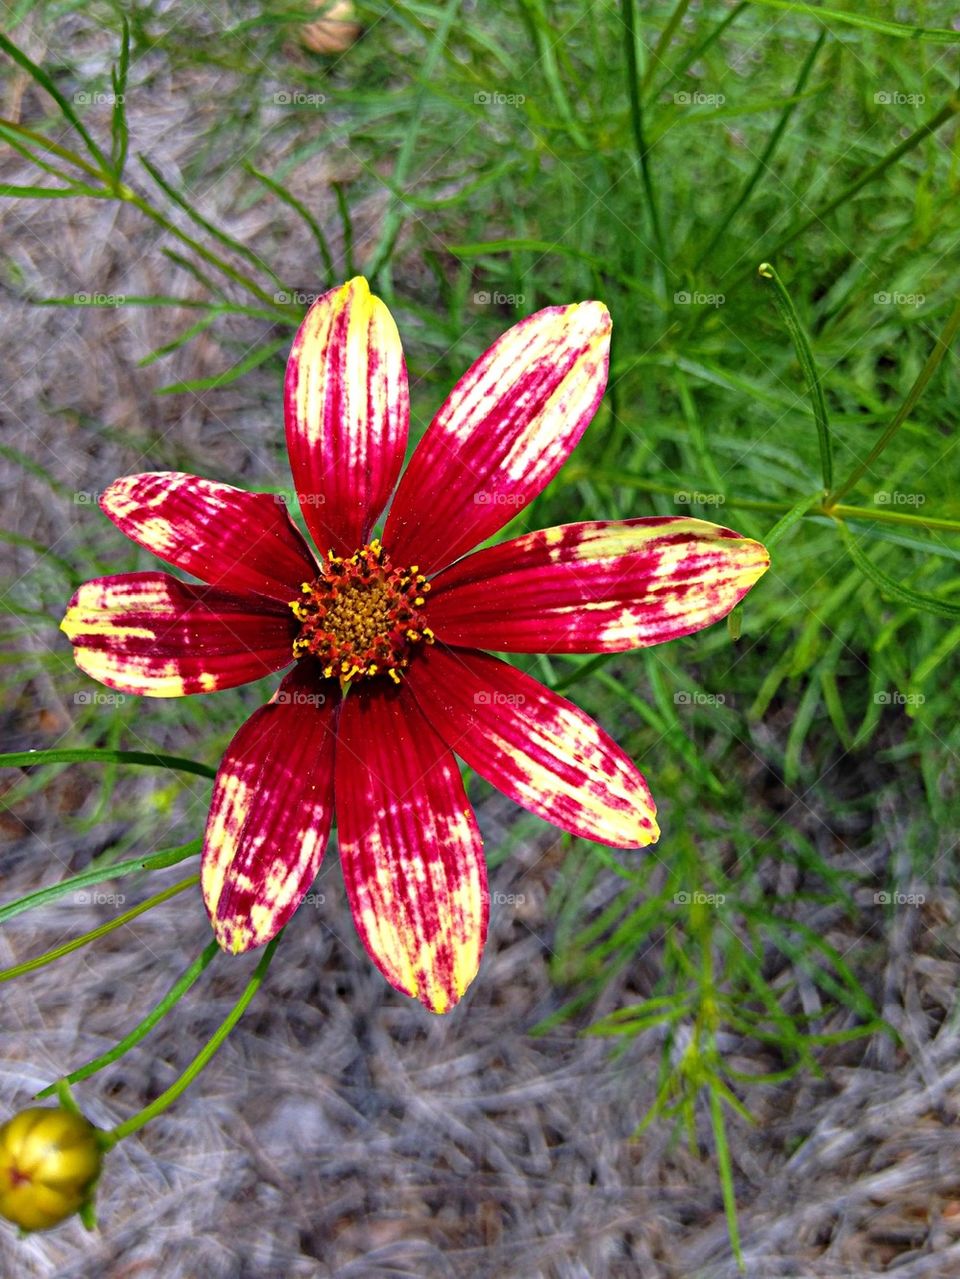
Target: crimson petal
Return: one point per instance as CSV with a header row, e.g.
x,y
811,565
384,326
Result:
x,y
270,813
595,587
410,849
535,746
151,634
236,540
347,413
502,434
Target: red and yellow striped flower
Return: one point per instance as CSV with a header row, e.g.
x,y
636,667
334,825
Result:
x,y
384,634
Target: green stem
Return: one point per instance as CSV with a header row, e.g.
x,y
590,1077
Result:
x,y
934,360
38,74
763,163
99,875
636,120
128,194
96,755
801,343
54,148
176,993
878,516
949,108
160,1104
30,965
660,48
205,224
393,219
697,51
298,206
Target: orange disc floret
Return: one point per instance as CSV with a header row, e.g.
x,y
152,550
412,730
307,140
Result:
x,y
362,616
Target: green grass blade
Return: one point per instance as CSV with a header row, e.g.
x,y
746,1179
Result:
x,y
58,952
99,875
762,166
143,1028
38,74
788,313
891,587
882,26
165,1099
94,755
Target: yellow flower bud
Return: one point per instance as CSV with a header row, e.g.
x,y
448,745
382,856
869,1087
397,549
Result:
x,y
49,1161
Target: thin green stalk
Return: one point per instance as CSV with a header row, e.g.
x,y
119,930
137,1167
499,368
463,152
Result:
x,y
725,1168
160,1104
37,73
788,313
697,51
139,1032
128,194
38,139
660,48
393,218
821,510
946,112
933,362
636,121
98,875
96,755
211,228
763,162
792,517
298,206
544,43
346,221
940,35
40,961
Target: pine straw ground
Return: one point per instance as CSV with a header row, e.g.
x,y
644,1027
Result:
x,y
343,1131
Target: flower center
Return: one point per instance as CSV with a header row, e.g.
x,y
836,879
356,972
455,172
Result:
x,y
361,616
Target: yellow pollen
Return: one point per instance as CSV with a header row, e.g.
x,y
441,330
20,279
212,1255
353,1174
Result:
x,y
360,617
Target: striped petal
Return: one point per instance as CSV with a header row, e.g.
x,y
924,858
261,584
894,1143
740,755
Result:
x,y
151,634
503,433
235,540
270,813
595,587
536,747
347,413
410,849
